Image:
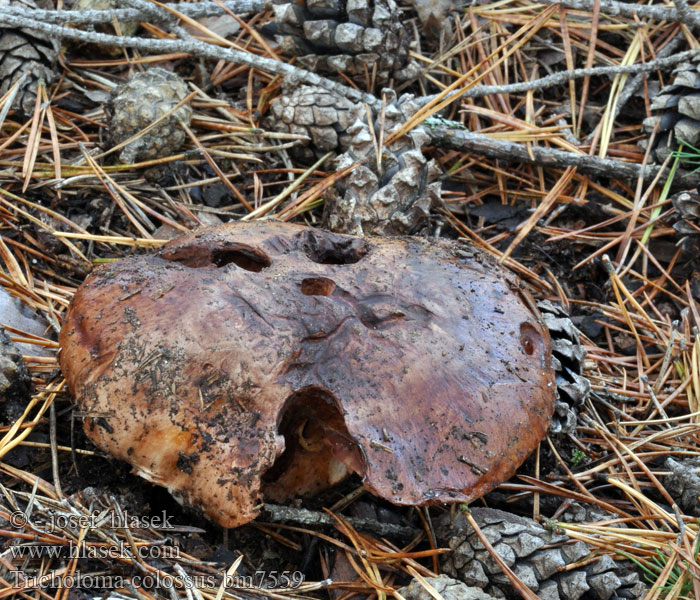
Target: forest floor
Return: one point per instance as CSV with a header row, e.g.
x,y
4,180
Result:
x,y
555,185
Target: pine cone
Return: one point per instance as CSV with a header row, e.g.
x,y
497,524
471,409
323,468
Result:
x,y
25,52
139,102
448,588
536,555
587,513
394,198
677,111
683,483
15,382
687,205
319,114
353,38
567,355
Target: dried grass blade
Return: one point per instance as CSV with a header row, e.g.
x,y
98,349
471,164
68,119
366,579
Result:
x,y
12,265
618,83
9,97
290,189
106,181
54,140
569,57
515,581
212,163
595,17
541,210
33,139
297,207
444,98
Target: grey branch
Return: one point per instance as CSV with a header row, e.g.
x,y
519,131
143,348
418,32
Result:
x,y
457,138
614,9
94,17
301,75
561,77
196,48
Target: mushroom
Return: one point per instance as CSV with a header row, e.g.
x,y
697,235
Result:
x,y
272,359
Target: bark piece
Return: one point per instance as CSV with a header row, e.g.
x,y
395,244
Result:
x,y
273,358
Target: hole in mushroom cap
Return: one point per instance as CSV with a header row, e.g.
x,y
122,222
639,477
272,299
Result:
x,y
246,258
202,256
332,249
319,451
531,340
317,286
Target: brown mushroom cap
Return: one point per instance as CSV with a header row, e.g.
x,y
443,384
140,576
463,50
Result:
x,y
416,363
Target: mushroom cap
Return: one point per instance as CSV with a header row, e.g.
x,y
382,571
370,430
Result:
x,y
417,363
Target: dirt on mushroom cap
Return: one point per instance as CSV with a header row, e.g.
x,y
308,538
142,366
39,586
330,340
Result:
x,y
418,363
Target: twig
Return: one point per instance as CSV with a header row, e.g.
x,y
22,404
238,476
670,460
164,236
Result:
x,y
193,47
95,17
613,8
562,77
303,516
297,74
686,14
444,135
